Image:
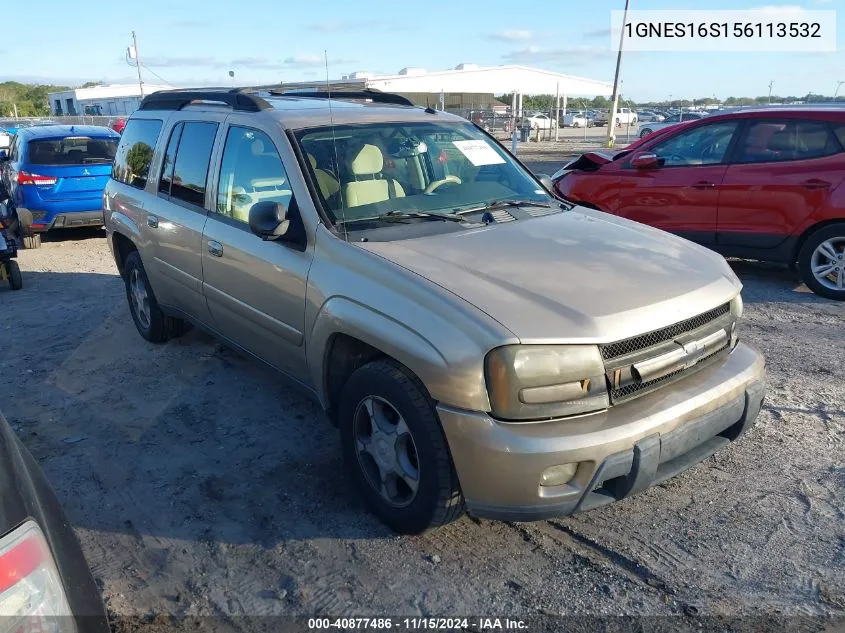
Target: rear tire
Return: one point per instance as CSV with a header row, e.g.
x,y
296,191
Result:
x,y
645,132
15,276
821,262
385,391
152,323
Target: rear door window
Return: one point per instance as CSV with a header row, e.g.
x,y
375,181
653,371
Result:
x,y
169,159
135,152
72,150
773,141
190,169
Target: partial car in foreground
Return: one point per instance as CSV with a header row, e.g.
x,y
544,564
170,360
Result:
x,y
765,184
54,175
479,343
45,583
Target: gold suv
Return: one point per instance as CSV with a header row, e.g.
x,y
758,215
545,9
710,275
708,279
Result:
x,y
480,344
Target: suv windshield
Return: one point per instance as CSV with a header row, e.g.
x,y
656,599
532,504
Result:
x,y
72,150
377,171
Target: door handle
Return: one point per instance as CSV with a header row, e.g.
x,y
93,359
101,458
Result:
x,y
152,221
704,184
215,248
816,183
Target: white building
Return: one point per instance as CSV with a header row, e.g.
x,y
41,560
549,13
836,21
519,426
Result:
x,y
111,100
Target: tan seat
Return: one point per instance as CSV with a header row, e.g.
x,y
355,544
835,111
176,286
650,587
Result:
x,y
369,186
328,184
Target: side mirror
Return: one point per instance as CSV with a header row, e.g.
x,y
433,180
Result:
x,y
268,220
4,155
646,161
547,182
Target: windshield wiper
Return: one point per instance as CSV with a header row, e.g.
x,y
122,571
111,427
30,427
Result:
x,y
502,204
401,215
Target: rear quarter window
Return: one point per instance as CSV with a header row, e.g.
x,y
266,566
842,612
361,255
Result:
x,y
135,152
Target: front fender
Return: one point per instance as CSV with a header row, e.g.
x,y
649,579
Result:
x,y
459,383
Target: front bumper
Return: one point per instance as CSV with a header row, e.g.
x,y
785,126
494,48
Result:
x,y
619,451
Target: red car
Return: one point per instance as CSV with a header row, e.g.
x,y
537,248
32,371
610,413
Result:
x,y
117,125
762,184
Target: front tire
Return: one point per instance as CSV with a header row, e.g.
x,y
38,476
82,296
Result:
x,y
153,324
395,449
821,262
645,133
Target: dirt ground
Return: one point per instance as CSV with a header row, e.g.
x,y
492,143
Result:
x,y
199,483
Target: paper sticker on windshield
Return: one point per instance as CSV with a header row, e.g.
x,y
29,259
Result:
x,y
479,153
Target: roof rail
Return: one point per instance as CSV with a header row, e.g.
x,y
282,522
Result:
x,y
369,94
236,98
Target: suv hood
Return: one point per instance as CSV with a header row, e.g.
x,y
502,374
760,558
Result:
x,y
580,276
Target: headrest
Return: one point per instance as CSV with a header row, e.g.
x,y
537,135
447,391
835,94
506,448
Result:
x,y
368,161
782,141
313,161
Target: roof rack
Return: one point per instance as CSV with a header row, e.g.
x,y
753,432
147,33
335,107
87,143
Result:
x,y
369,94
236,98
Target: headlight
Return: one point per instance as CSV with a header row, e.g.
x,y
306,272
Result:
x,y
537,382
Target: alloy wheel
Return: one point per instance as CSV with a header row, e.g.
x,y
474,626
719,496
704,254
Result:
x,y
828,263
140,298
386,451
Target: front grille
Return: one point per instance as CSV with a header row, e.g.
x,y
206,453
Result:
x,y
641,388
643,341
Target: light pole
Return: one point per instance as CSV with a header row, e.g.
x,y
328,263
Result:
x,y
138,63
771,83
611,121
838,86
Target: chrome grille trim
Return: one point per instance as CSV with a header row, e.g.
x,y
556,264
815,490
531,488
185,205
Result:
x,y
643,341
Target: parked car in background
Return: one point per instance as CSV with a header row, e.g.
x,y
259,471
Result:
x,y
118,124
672,119
764,184
541,122
350,249
649,117
577,119
5,138
56,175
45,583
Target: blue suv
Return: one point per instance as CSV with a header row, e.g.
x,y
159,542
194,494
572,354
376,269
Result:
x,y
55,175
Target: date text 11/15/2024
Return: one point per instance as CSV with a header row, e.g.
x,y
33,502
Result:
x,y
416,624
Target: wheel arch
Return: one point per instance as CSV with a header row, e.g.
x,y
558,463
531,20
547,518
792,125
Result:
x,y
805,235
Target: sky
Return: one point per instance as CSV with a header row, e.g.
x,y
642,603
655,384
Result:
x,y
196,42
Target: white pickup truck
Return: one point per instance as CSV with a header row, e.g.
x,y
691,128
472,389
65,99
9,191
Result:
x,y
626,116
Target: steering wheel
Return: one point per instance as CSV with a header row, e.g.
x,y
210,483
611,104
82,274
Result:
x,y
436,184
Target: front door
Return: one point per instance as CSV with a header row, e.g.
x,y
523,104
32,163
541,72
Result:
x,y
783,171
681,196
255,288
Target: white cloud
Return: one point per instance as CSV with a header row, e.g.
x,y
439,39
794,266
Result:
x,y
333,26
512,35
561,56
598,33
312,60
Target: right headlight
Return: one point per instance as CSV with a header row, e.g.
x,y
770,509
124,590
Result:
x,y
540,382
736,312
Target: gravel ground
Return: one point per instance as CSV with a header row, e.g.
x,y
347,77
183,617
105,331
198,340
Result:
x,y
200,484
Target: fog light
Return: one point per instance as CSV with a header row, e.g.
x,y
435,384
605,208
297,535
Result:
x,y
558,475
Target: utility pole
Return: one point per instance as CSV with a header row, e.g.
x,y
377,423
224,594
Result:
x,y
838,86
138,63
771,83
611,121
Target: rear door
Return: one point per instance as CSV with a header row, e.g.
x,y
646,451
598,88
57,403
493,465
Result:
x,y
256,288
682,195
176,214
783,170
